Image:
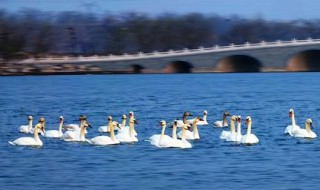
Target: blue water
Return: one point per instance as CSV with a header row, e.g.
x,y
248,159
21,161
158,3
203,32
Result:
x,y
277,162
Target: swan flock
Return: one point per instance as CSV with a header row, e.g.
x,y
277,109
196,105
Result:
x,y
189,130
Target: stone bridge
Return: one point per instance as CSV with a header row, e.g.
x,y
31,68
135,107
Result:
x,y
294,55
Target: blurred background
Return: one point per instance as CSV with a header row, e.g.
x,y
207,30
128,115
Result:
x,y
36,29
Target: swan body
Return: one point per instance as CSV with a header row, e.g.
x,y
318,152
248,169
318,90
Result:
x,y
127,133
77,135
105,140
249,138
30,141
224,134
222,123
161,140
177,143
26,128
55,133
236,136
290,129
194,135
181,123
305,133
106,129
204,122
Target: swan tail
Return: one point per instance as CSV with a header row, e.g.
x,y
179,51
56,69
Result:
x,y
12,143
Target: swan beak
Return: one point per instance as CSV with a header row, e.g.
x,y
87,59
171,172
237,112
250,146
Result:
x,y
89,125
136,122
200,119
290,114
311,126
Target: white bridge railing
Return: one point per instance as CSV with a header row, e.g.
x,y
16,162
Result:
x,y
182,52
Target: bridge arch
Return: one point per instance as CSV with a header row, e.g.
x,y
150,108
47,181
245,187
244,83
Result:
x,y
178,67
239,63
136,68
308,60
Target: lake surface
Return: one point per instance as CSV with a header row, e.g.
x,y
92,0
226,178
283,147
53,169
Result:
x,y
277,162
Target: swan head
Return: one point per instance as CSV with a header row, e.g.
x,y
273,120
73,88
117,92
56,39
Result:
x,y
291,112
109,118
205,112
61,118
234,118
239,118
131,114
116,124
162,123
187,114
197,119
87,124
42,122
175,122
124,117
82,118
30,117
309,122
248,120
226,113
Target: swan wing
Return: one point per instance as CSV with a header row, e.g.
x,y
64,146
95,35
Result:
x,y
224,134
52,134
26,141
24,129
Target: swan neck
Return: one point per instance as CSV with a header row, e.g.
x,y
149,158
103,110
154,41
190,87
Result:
x,y
184,119
239,128
174,132
224,120
183,136
162,133
195,130
249,128
308,129
112,136
232,128
35,132
60,127
30,125
82,131
205,118
131,127
293,120
123,123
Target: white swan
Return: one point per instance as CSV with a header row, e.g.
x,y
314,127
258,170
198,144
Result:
x,y
224,134
305,133
249,138
78,136
128,134
224,122
31,141
55,133
181,123
76,127
183,143
237,136
204,122
105,140
194,134
106,129
161,140
126,129
293,127
26,128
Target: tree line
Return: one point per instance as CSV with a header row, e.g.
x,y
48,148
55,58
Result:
x,y
34,33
